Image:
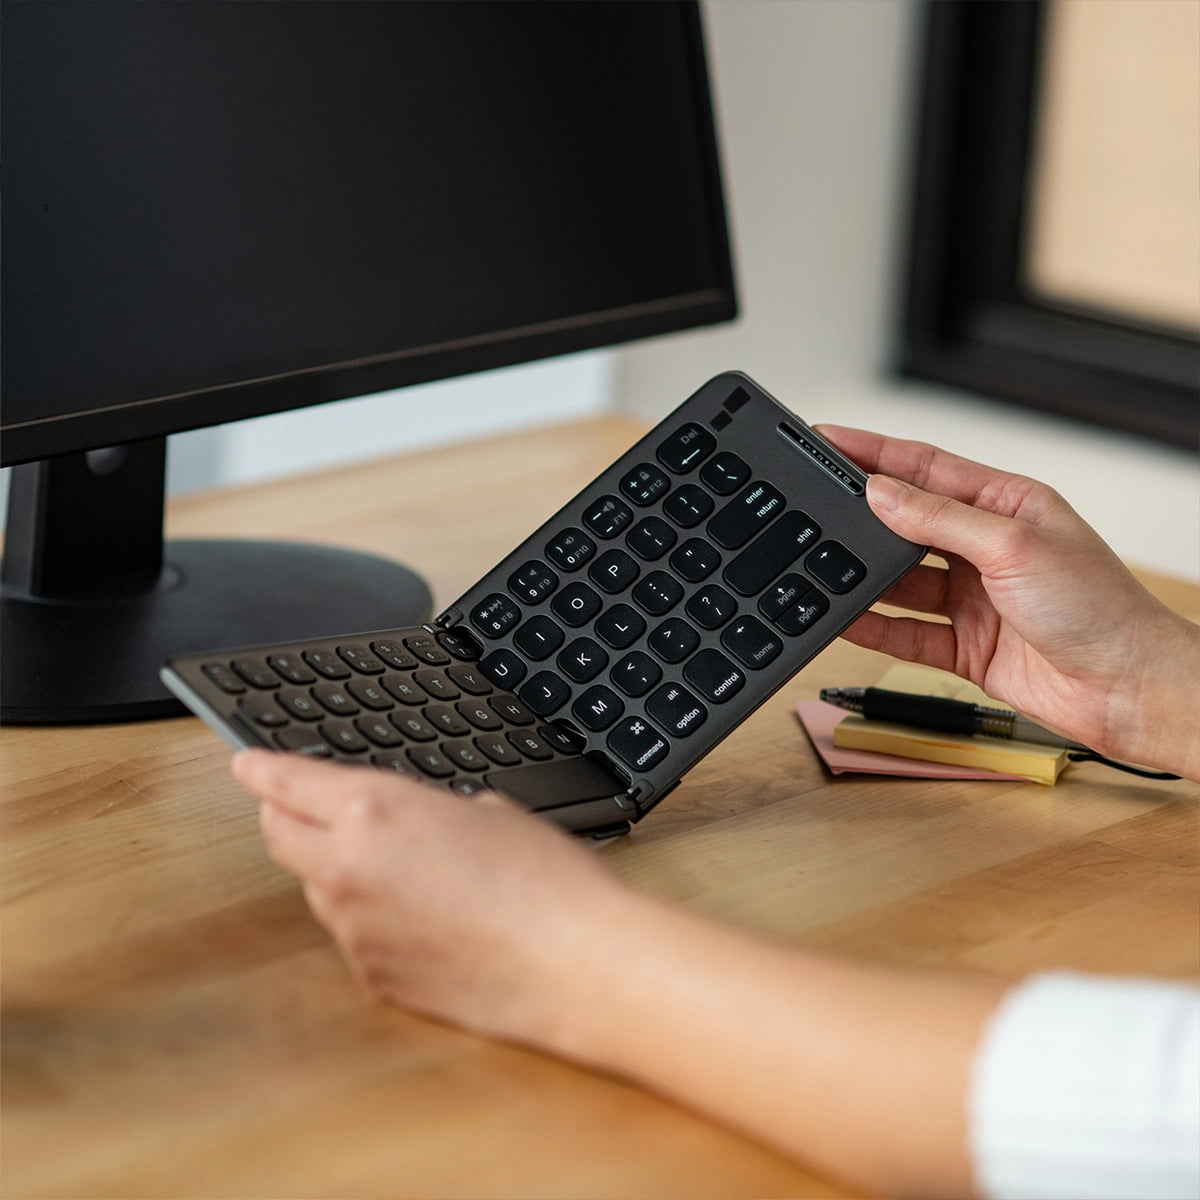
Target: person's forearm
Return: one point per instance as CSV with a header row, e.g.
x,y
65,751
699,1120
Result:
x,y
859,1070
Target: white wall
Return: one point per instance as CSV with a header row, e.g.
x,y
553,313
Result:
x,y
814,104
560,389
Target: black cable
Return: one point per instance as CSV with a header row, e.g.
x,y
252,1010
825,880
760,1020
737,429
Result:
x,y
1092,756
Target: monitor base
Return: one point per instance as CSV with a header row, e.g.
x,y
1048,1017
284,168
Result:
x,y
96,660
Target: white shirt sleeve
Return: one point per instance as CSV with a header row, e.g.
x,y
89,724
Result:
x,y
1085,1086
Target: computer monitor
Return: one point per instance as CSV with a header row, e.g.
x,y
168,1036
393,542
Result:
x,y
215,211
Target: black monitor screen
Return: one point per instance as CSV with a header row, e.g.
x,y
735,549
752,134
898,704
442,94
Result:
x,y
217,210
214,211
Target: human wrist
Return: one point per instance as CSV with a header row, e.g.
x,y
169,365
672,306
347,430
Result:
x,y
1161,714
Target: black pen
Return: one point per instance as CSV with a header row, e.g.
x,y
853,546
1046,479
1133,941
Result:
x,y
944,715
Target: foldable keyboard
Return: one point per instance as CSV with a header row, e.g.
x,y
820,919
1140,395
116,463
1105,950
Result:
x,y
612,649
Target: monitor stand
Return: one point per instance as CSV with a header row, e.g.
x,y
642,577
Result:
x,y
93,599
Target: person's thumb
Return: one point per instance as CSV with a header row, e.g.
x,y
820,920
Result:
x,y
981,537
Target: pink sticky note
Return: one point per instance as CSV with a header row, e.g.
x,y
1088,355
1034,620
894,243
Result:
x,y
820,719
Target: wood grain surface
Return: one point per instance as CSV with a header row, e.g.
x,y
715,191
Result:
x,y
175,1024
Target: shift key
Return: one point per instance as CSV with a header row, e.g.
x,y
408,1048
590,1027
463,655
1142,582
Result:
x,y
768,556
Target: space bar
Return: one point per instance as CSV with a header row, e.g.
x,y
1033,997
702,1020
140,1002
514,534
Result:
x,y
561,781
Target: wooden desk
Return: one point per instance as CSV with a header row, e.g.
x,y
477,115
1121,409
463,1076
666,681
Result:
x,y
175,1024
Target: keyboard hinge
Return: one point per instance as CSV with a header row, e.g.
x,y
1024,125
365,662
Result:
x,y
452,616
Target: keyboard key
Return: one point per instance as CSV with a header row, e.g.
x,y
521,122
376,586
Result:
x,y
576,604
676,709
714,676
836,567
335,699
300,739
460,644
804,613
370,694
570,549
378,730
686,448
658,592
651,538
620,626
431,761
497,747
394,654
256,673
436,684
545,693
751,642
510,709
224,678
673,640
636,673
393,760
296,702
495,615
447,720
533,582
530,745
598,708
291,667
688,506
770,554
638,744
779,598
695,560
539,637
566,740
361,659
343,737
326,663
402,689
427,649
469,679
262,710
413,725
724,473
607,516
711,607
644,484
479,714
504,668
583,660
745,515
614,571
465,755
467,786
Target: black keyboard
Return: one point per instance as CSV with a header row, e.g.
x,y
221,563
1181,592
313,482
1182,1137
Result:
x,y
612,649
409,700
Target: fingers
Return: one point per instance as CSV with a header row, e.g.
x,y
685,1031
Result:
x,y
995,545
307,787
292,842
907,638
924,589
917,463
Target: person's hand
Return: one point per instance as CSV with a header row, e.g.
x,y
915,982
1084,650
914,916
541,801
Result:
x,y
477,913
468,910
1042,613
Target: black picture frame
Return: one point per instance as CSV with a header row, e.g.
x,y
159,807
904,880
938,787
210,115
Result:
x,y
969,320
